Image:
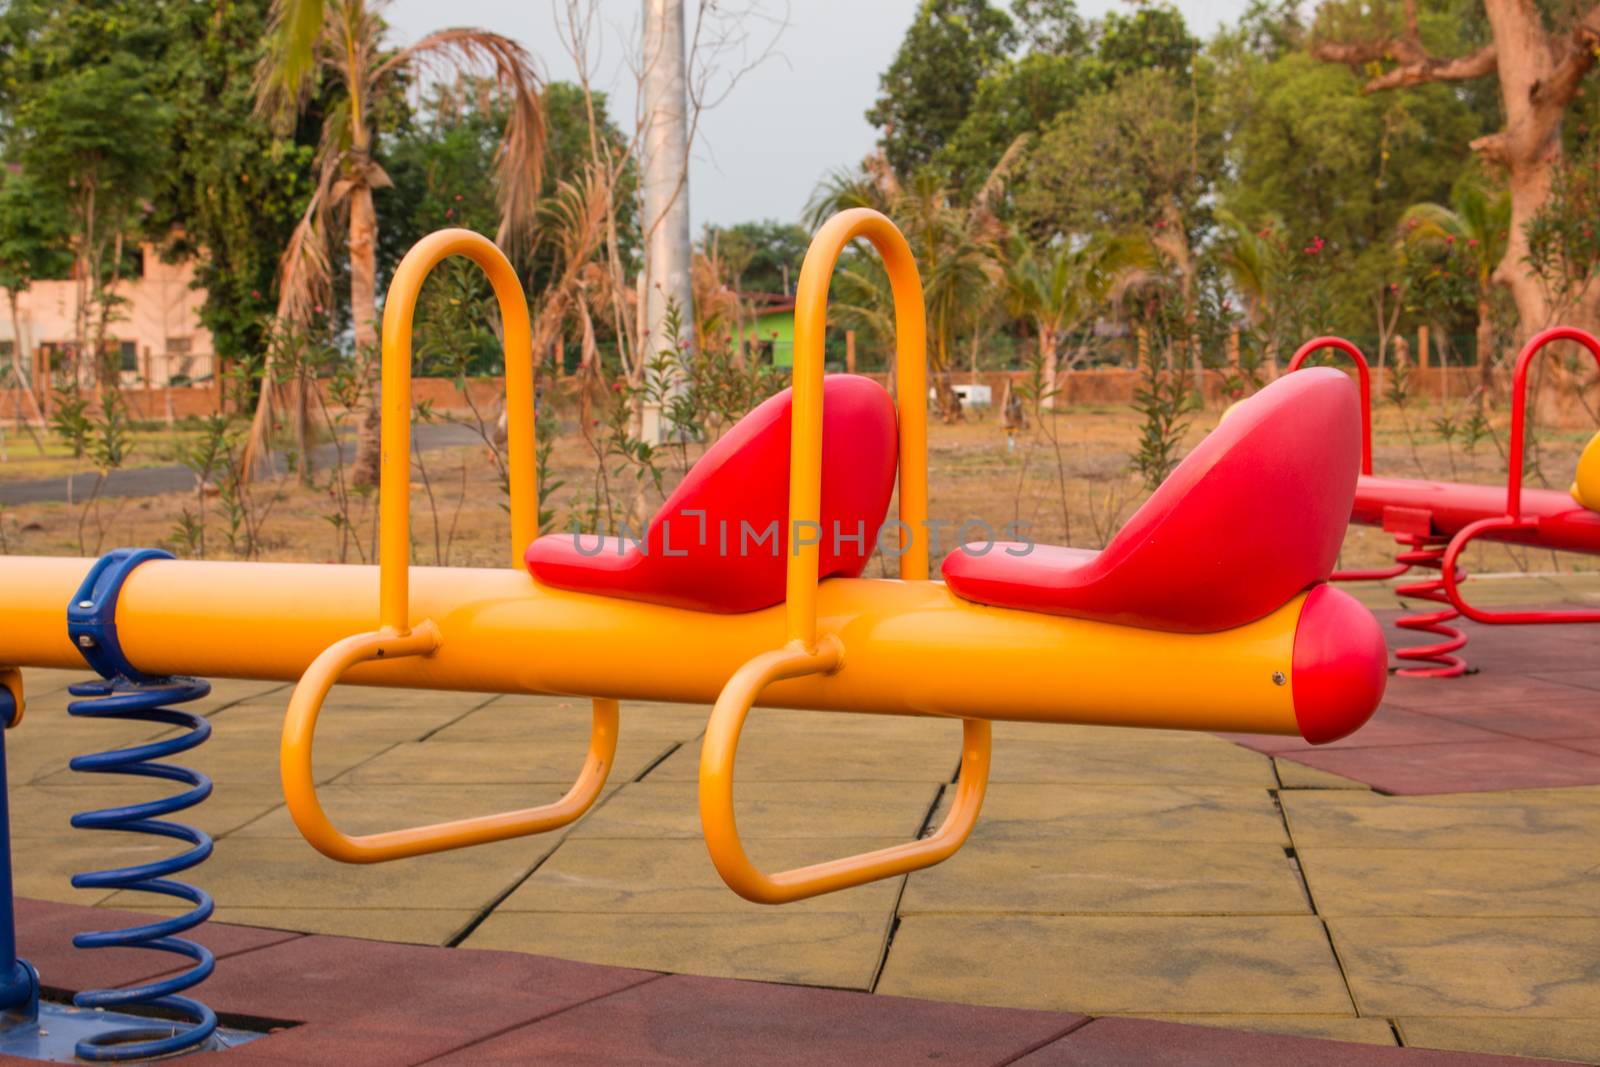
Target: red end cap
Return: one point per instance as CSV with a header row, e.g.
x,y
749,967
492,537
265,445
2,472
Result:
x,y
1340,666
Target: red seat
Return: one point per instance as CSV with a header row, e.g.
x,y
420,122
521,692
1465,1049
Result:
x,y
1255,514
720,542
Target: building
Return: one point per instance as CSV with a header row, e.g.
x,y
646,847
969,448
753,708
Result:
x,y
769,335
156,329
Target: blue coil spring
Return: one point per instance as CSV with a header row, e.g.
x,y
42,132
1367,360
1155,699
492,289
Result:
x,y
147,701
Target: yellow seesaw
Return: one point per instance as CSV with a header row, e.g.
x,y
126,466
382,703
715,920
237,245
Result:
x,y
1207,612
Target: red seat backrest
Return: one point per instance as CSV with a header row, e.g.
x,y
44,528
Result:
x,y
721,540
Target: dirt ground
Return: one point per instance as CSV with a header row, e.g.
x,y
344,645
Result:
x,y
458,516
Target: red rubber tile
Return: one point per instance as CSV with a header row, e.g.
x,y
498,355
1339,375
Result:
x,y
1582,744
1428,694
383,1003
1414,770
1389,726
686,1020
44,938
1588,679
1145,1043
1539,720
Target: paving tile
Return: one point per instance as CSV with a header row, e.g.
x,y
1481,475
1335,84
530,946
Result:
x,y
671,808
638,876
532,719
264,725
42,868
838,748
684,1020
1326,1027
252,760
1529,968
384,698
1045,754
1095,964
1160,1044
837,949
484,762
1500,882
372,807
45,810
1295,775
1538,819
1509,763
1575,1040
1063,813
288,873
415,926
1113,877
371,1002
45,931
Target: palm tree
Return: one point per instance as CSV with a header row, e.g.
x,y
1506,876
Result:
x,y
959,248
336,48
1477,222
1059,288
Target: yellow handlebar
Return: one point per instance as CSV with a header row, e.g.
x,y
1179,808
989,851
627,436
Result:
x,y
394,485
395,636
806,653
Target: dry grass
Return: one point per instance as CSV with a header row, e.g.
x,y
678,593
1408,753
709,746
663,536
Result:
x,y
973,474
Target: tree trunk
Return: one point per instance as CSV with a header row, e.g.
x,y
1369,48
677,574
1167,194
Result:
x,y
666,190
364,322
17,348
1485,340
1051,358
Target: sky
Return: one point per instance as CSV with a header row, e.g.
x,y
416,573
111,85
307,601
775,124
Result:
x,y
787,123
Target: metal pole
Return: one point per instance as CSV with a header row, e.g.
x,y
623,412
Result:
x,y
19,982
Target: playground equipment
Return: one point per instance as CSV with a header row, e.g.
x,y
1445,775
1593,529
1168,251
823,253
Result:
x,y
1207,612
1435,521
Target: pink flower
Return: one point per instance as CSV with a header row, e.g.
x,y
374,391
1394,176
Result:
x,y
255,294
1449,238
459,198
1317,244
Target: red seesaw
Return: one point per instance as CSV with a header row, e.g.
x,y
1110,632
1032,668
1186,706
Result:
x,y
1433,521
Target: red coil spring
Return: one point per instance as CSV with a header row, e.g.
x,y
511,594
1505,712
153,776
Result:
x,y
1428,554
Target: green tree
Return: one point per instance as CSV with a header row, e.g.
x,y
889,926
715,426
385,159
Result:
x,y
33,245
931,83
231,196
89,121
765,256
343,41
1060,287
1475,228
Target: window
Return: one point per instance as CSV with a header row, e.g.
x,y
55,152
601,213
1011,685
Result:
x,y
130,355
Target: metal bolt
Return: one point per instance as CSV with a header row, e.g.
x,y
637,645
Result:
x,y
85,641
85,603
1279,678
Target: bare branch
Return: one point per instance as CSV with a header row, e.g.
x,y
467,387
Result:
x,y
1416,67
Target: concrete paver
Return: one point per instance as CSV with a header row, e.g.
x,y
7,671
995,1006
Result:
x,y
1110,877
1522,968
1119,964
838,949
1577,1040
1505,882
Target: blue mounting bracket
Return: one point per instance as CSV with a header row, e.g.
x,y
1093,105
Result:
x,y
92,615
